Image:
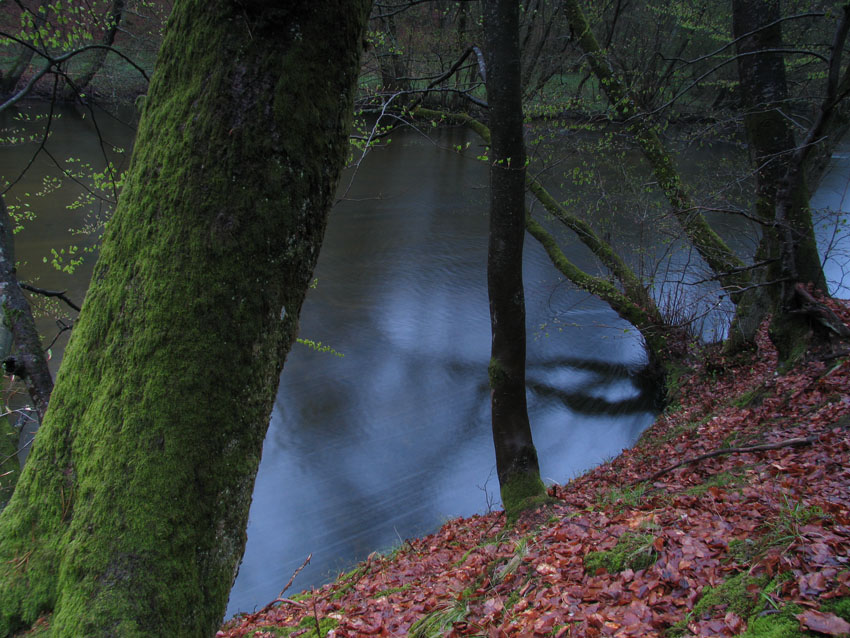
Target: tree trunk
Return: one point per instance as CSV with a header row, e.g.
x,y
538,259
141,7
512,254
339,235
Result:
x,y
129,518
782,198
9,79
516,457
94,60
761,69
29,364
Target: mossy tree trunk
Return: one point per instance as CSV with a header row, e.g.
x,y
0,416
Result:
x,y
788,243
516,457
757,30
130,516
727,266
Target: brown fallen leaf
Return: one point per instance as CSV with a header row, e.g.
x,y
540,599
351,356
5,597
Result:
x,y
824,623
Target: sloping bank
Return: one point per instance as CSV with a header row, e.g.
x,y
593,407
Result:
x,y
749,536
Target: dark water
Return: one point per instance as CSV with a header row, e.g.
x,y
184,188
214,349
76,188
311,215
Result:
x,y
393,438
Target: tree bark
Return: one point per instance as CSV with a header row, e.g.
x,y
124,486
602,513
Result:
x,y
516,457
129,519
764,90
29,363
782,198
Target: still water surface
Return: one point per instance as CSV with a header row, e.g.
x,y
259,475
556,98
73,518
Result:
x,y
393,438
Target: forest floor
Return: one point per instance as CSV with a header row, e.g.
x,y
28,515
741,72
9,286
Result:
x,y
750,535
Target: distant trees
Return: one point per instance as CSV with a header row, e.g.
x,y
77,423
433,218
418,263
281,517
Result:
x,y
659,64
787,257
72,42
129,518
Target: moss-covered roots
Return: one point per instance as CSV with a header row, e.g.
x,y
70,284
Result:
x,y
521,492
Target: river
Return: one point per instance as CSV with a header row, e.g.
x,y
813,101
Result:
x,y
391,439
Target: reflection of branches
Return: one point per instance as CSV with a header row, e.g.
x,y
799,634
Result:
x,y
41,145
583,403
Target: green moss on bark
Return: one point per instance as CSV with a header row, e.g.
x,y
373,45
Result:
x,y
130,516
496,374
521,492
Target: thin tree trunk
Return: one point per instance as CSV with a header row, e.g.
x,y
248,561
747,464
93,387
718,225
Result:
x,y
29,363
94,60
129,519
633,303
516,457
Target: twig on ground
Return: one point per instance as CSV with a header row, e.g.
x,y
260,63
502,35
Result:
x,y
732,450
280,599
292,578
316,616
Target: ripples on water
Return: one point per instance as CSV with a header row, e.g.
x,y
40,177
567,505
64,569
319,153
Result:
x,y
394,438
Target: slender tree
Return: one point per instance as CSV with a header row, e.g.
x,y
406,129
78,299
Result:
x,y
129,518
516,457
93,62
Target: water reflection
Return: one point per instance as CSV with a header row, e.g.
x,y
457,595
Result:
x,y
831,203
392,439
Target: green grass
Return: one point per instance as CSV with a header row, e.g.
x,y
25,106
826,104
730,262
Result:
x,y
621,498
792,517
651,439
722,479
752,598
739,594
392,590
439,621
750,398
632,551
520,552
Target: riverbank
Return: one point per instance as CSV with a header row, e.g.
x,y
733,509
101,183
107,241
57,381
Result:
x,y
750,535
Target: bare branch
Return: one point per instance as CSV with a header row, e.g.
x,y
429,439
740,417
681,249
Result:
x,y
60,294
